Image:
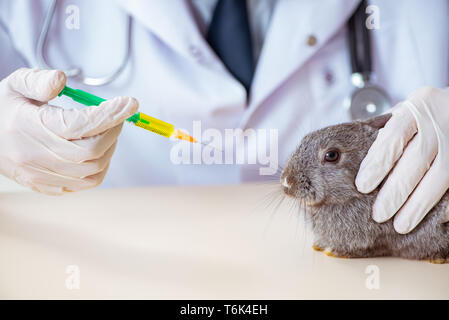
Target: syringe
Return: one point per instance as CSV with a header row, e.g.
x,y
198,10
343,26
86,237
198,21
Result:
x,y
139,119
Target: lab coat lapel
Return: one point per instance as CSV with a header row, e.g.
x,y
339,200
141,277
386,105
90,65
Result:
x,y
286,48
172,21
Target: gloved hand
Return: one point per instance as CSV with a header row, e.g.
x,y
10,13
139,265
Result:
x,y
49,149
414,146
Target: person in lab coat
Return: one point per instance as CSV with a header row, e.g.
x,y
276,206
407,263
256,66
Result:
x,y
296,79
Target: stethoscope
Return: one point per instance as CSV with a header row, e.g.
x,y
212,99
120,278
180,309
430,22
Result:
x,y
367,100
77,72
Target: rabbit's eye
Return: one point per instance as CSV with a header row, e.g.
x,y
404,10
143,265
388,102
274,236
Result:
x,y
332,156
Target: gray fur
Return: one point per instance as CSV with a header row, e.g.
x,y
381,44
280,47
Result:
x,y
340,215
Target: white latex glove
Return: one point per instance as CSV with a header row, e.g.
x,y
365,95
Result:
x,y
49,149
414,148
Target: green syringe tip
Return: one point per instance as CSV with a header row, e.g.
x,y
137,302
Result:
x,y
134,118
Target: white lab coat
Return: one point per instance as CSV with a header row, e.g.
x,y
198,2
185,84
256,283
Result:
x,y
177,77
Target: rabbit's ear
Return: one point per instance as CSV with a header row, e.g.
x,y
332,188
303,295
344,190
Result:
x,y
378,122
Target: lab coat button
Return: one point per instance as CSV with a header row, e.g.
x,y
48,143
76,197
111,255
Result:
x,y
311,40
329,76
196,52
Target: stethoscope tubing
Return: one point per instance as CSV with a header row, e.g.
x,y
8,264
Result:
x,y
367,100
360,42
77,72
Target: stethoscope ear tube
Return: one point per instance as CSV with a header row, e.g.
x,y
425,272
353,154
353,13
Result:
x,y
76,72
367,100
359,42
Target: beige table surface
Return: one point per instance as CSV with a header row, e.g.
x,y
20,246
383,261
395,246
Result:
x,y
218,242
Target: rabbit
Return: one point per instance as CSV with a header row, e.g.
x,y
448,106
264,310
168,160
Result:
x,y
321,174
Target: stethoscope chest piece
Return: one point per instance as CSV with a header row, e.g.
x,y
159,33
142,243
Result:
x,y
367,102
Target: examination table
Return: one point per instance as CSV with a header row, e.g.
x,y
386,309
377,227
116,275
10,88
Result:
x,y
203,242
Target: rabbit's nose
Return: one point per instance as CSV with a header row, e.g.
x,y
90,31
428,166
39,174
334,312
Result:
x,y
285,183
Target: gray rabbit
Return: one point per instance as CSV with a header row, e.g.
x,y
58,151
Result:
x,y
320,174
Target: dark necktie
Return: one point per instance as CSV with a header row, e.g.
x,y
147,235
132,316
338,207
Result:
x,y
229,35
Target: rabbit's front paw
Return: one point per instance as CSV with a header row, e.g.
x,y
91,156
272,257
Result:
x,y
329,252
438,261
